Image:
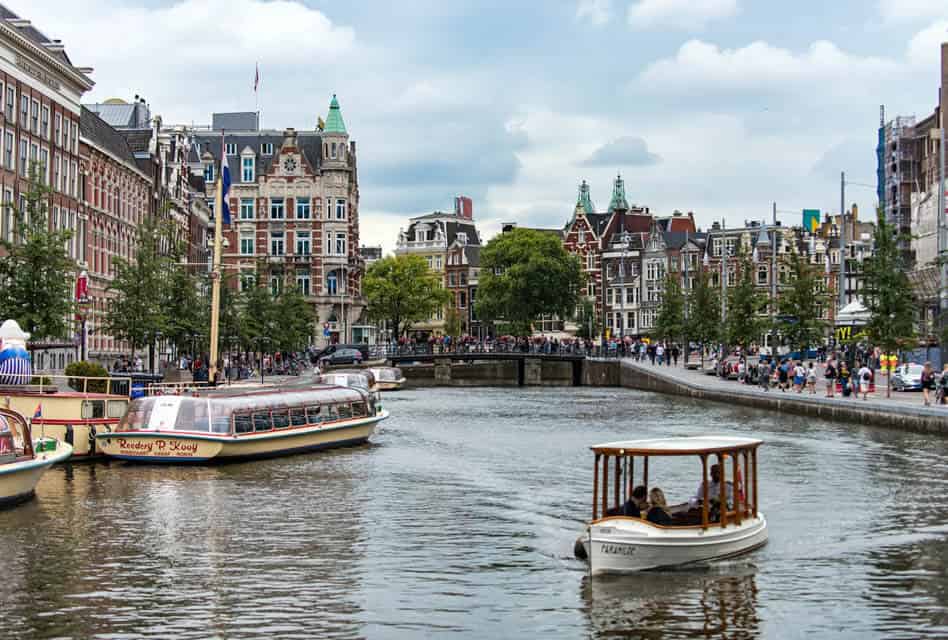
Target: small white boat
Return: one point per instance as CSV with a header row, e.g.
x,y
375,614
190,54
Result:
x,y
23,460
223,427
388,378
355,378
722,521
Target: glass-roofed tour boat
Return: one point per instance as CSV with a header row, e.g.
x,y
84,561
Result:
x,y
217,427
632,528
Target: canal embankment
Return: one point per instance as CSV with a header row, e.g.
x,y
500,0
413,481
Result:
x,y
895,413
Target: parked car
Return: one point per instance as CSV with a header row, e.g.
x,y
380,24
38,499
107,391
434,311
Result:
x,y
363,349
907,377
341,356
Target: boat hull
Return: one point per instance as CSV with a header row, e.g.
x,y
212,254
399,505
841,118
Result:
x,y
18,480
390,385
157,447
626,545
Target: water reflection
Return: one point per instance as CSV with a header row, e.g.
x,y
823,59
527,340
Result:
x,y
718,601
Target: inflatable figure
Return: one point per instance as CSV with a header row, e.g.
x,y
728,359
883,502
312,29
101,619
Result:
x,y
15,364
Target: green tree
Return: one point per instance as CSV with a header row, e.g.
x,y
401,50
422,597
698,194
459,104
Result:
x,y
526,274
587,325
258,318
670,323
37,273
800,307
887,292
745,303
294,320
136,311
402,290
453,325
186,313
704,312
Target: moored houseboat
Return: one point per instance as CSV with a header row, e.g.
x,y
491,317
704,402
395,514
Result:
x,y
217,427
23,460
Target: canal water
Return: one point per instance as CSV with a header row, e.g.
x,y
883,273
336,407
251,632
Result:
x,y
459,520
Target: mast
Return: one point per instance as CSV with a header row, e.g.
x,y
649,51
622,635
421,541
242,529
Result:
x,y
216,270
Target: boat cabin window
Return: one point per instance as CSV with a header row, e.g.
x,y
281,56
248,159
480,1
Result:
x,y
137,416
220,418
314,414
243,423
261,422
7,446
330,413
358,409
117,408
93,409
345,411
281,419
192,416
298,417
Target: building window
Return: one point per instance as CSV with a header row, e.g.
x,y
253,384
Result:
x,y
57,172
247,281
247,169
246,208
276,209
8,161
462,300
302,283
340,244
332,150
59,129
332,284
438,263
208,172
762,275
75,137
276,284
44,166
340,209
35,120
302,243
302,209
24,111
266,148
246,245
45,123
230,148
10,110
24,148
277,243
590,261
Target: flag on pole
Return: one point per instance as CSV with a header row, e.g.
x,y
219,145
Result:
x,y
225,182
256,78
39,411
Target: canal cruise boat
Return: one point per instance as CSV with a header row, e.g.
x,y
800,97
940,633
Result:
x,y
23,460
220,427
73,416
721,521
388,378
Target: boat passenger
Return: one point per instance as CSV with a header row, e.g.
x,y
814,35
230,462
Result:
x,y
637,503
658,513
714,489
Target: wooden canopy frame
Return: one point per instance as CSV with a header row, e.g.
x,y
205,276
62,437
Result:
x,y
742,456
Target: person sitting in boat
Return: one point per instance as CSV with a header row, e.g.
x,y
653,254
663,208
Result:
x,y
634,506
658,512
714,489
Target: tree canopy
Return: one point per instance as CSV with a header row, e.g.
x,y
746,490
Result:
x,y
887,292
403,290
704,310
526,274
744,324
800,307
670,323
37,272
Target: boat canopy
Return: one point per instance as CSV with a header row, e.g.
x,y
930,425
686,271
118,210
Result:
x,y
697,445
350,378
387,374
272,409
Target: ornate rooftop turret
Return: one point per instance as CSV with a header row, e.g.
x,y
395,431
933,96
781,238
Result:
x,y
334,122
618,201
584,201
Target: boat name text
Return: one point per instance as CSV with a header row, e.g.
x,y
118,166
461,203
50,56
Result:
x,y
160,447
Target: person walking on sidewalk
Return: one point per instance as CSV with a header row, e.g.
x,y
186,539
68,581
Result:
x,y
829,372
928,383
865,377
660,353
811,379
675,351
763,375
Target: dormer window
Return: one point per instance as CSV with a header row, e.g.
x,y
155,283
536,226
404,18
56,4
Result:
x,y
462,237
247,169
209,172
266,148
230,148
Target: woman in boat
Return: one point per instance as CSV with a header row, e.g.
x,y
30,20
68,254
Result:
x,y
658,513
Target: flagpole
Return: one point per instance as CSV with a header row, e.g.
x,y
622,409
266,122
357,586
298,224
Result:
x,y
216,271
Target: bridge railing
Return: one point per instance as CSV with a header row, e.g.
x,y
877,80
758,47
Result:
x,y
545,349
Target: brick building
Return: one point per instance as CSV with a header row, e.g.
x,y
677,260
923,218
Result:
x,y
294,202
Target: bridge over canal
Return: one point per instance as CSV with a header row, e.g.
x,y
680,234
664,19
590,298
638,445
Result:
x,y
513,368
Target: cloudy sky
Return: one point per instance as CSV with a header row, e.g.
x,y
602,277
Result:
x,y
715,106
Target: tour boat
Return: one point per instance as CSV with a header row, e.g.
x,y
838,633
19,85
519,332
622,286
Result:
x,y
23,460
360,378
75,417
720,523
223,427
388,378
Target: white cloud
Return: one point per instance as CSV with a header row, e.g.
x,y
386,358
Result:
x,y
925,46
598,12
701,67
900,10
681,14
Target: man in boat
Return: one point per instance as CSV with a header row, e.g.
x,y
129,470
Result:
x,y
714,489
634,507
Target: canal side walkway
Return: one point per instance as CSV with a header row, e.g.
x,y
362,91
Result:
x,y
903,411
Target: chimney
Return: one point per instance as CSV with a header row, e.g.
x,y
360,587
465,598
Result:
x,y
464,207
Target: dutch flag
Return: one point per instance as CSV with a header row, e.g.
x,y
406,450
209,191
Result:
x,y
225,182
39,411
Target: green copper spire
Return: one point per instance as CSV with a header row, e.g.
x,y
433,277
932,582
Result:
x,y
334,123
584,201
618,196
